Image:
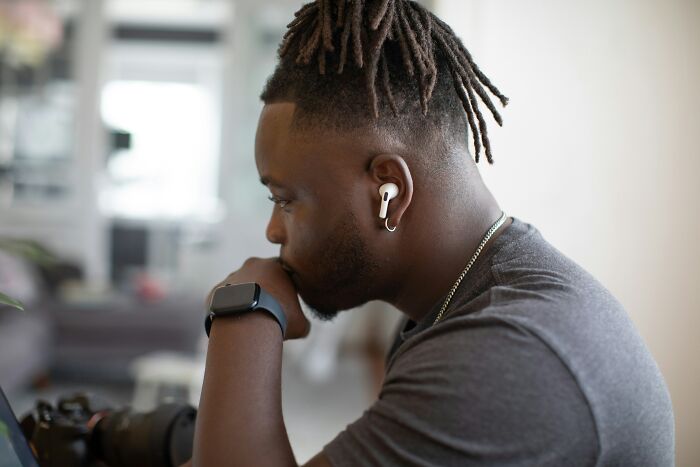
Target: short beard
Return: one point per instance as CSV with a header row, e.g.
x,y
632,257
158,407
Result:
x,y
346,269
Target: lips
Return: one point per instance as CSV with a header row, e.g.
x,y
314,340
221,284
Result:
x,y
293,276
286,268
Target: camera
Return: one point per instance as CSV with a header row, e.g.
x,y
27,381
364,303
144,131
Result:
x,y
83,430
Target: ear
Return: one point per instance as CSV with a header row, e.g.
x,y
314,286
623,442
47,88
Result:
x,y
386,168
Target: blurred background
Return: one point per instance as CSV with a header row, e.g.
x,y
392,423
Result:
x,y
128,187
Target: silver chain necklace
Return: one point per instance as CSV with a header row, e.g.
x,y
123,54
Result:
x,y
454,288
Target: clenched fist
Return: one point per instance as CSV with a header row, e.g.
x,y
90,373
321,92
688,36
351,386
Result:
x,y
268,273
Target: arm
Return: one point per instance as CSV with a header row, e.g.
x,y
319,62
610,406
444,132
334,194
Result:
x,y
240,414
239,421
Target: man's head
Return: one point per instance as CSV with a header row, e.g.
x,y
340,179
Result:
x,y
366,92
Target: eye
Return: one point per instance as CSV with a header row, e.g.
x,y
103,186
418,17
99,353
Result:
x,y
279,201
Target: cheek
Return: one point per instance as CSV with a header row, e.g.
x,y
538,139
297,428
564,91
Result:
x,y
311,232
301,243
313,227
305,236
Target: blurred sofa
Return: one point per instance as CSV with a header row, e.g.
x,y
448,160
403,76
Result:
x,y
92,339
101,339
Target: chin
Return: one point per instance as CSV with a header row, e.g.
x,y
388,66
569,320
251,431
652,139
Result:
x,y
326,310
320,309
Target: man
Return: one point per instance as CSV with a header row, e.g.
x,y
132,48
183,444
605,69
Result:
x,y
511,355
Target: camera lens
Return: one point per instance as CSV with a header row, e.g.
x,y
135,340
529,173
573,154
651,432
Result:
x,y
162,438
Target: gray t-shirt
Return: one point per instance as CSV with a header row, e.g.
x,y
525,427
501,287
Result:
x,y
535,363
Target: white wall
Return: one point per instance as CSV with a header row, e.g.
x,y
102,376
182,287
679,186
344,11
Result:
x,y
600,149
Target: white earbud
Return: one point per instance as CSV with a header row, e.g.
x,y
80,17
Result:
x,y
388,191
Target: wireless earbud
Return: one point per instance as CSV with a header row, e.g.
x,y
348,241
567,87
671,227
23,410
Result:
x,y
388,191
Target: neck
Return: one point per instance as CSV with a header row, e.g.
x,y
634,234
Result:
x,y
442,246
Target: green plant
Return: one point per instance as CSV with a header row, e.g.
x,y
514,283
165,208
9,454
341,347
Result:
x,y
5,300
29,250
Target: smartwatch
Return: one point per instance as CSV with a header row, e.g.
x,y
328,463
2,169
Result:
x,y
239,299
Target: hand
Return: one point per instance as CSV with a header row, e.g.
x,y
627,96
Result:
x,y
269,274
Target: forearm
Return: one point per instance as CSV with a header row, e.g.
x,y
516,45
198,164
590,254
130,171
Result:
x,y
239,421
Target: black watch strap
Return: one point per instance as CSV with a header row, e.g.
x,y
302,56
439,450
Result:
x,y
266,303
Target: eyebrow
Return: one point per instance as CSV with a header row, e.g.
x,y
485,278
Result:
x,y
265,180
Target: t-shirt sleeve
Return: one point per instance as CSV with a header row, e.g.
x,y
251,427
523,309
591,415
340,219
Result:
x,y
472,392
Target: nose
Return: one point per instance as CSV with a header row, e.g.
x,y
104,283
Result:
x,y
275,229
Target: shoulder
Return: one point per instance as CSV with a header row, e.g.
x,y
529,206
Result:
x,y
483,388
493,369
474,355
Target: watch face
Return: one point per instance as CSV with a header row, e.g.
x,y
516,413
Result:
x,y
238,297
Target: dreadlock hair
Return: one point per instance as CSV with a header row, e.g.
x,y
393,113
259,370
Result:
x,y
410,67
